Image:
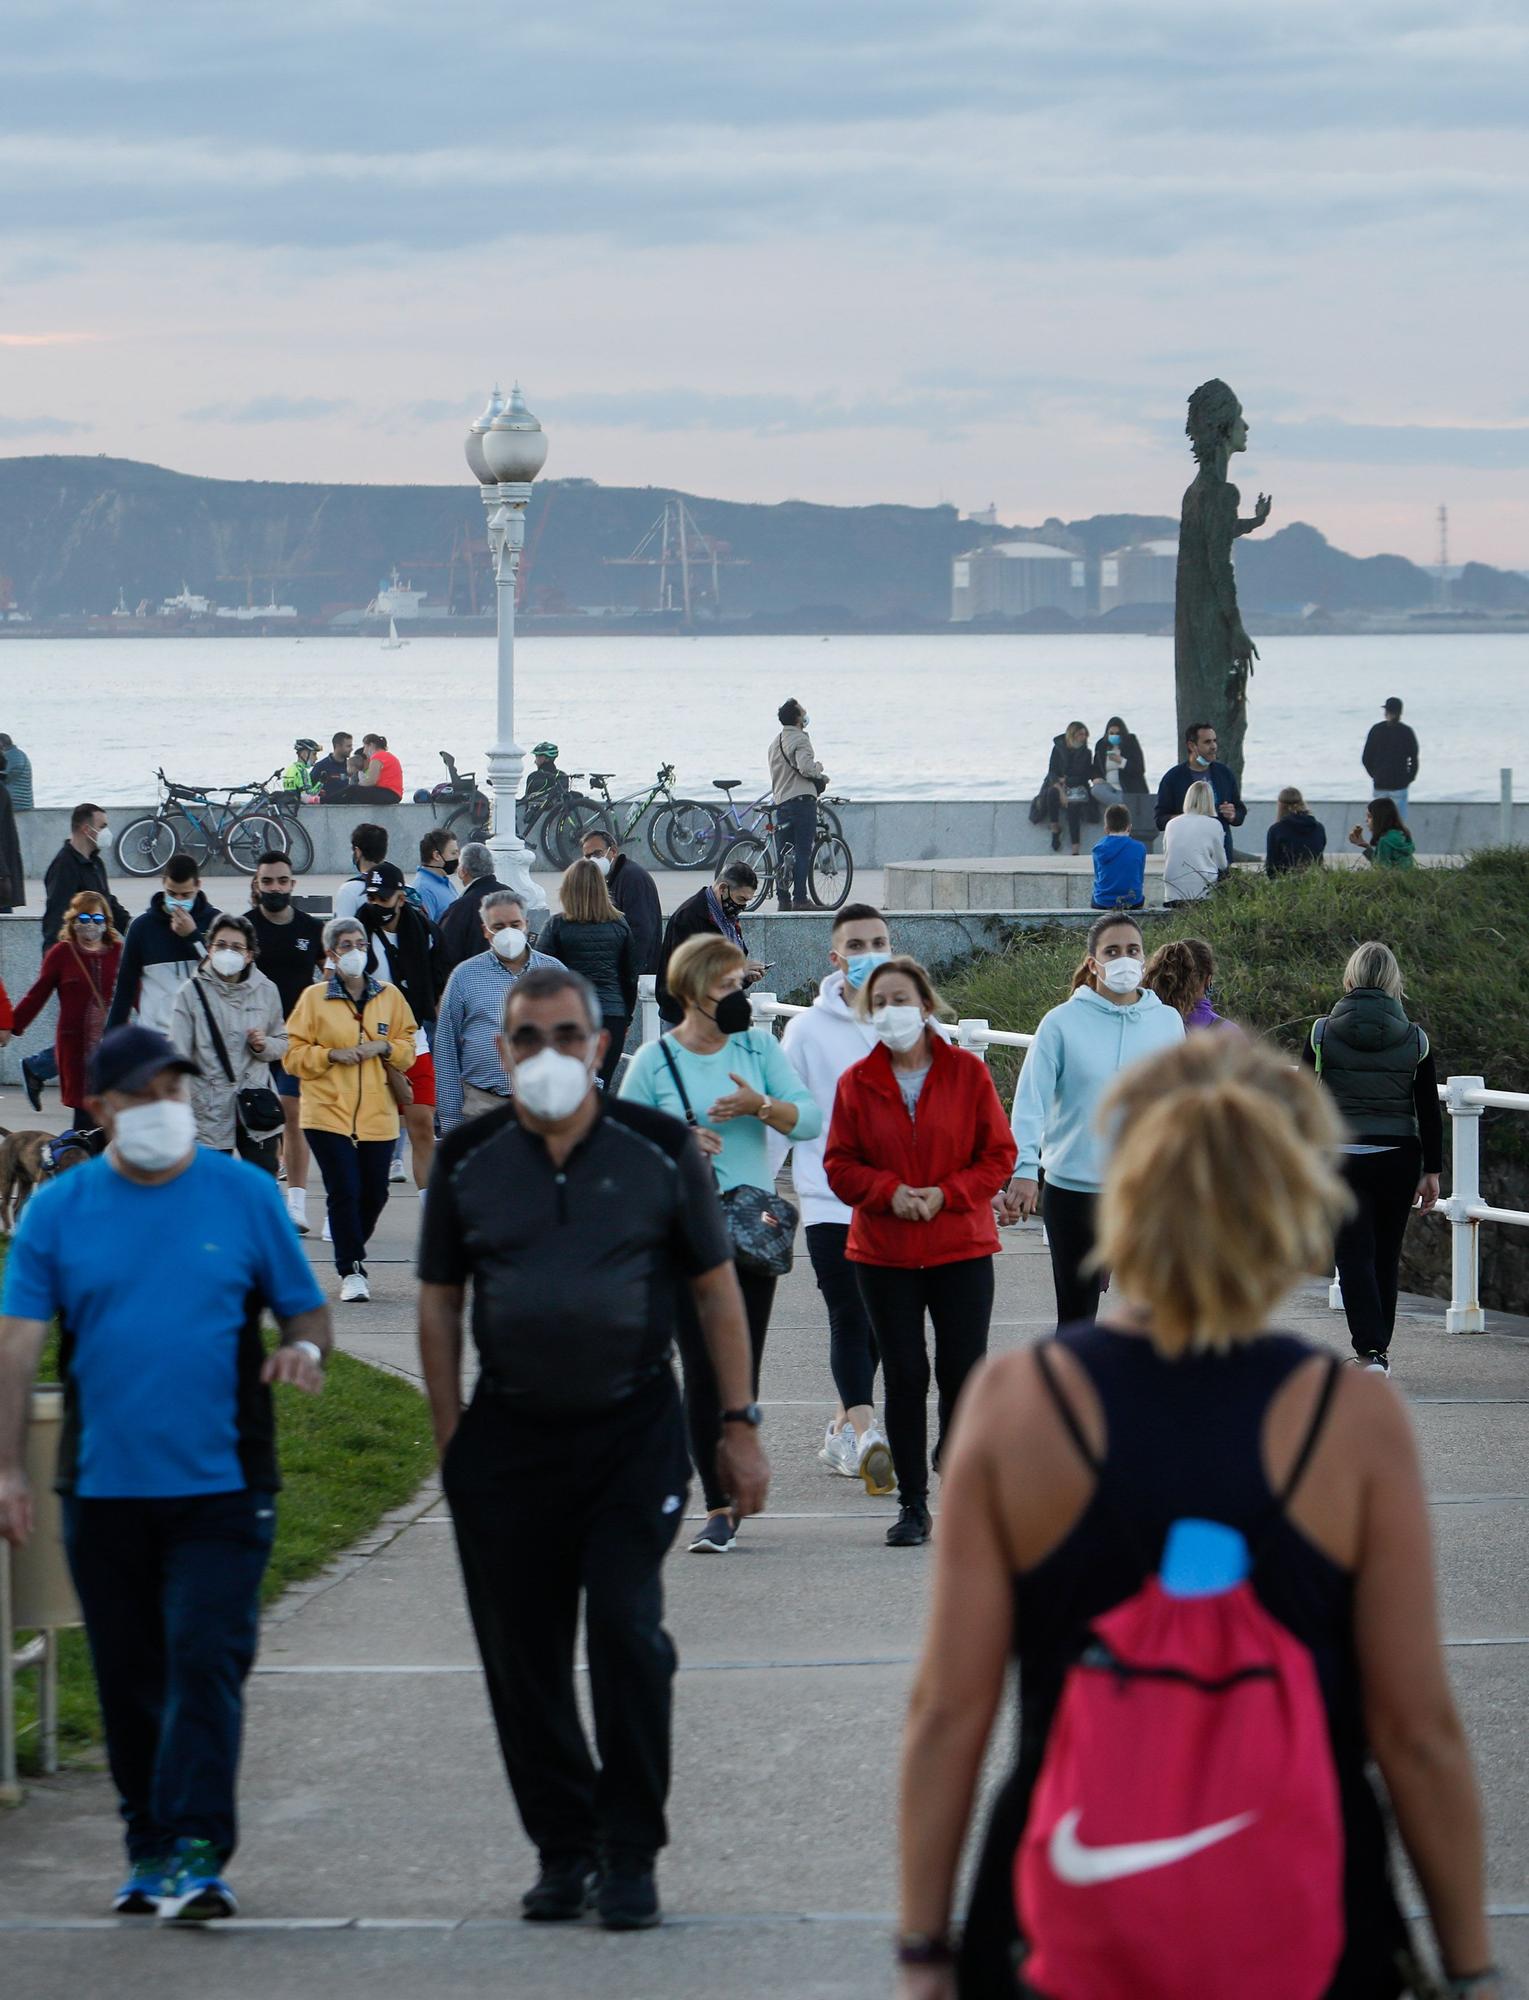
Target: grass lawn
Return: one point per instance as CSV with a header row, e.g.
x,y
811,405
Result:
x,y
348,1457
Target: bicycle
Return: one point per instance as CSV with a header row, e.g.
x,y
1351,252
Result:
x,y
555,818
470,809
681,832
732,820
830,871
187,821
283,805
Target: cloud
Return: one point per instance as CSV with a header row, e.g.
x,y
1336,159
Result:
x,y
270,410
440,409
1322,440
21,427
48,339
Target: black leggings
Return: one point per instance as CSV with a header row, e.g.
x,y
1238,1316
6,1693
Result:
x,y
355,1175
703,1406
1384,1186
616,1026
959,1301
1070,1219
851,1343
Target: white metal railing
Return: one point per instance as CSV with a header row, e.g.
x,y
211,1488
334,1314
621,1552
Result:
x,y
1463,1097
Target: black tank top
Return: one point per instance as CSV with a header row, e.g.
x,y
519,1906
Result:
x,y
1185,1438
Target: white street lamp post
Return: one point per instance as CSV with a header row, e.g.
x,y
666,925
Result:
x,y
506,448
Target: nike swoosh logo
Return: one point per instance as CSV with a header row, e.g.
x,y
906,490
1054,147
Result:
x,y
1084,1866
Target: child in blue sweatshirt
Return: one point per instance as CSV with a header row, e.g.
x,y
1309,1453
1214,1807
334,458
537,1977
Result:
x,y
1120,865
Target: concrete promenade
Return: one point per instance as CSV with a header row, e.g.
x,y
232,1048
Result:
x,y
381,1856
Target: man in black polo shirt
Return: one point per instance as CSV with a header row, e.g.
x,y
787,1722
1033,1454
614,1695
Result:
x,y
577,1216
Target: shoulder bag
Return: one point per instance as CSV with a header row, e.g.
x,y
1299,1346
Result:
x,y
819,785
761,1224
258,1110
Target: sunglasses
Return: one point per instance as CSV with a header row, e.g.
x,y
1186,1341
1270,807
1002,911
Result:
x,y
568,1040
89,917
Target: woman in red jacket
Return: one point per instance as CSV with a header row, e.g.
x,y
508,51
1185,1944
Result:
x,y
918,1147
82,970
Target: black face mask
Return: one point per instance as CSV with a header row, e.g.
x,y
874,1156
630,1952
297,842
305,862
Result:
x,y
447,867
274,900
734,1013
376,918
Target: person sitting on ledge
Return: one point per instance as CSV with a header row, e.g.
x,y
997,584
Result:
x,y
379,778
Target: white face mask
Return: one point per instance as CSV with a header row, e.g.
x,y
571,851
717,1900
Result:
x,y
155,1136
102,836
350,964
551,1085
227,961
509,942
602,862
1123,975
901,1028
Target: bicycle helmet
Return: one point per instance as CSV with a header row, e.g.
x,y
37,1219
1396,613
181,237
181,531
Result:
x,y
304,743
545,750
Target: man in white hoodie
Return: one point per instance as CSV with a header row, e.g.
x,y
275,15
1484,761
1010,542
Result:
x,y
820,1046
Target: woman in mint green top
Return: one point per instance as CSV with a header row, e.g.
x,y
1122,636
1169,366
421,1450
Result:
x,y
737,1083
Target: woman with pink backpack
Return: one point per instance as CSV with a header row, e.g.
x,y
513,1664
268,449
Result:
x,y
1207,1544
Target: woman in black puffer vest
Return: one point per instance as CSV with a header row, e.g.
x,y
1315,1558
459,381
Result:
x,y
1380,1069
591,936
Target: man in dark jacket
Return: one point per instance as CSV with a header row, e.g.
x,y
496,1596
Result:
x,y
77,865
632,890
461,929
1200,761
1391,756
162,949
715,909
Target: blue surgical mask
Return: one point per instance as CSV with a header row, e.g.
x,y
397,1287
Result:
x,y
1114,735
859,966
180,902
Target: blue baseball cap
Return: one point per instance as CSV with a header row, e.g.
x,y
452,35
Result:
x,y
130,1058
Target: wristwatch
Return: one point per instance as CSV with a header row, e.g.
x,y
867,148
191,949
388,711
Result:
x,y
314,1353
750,1414
766,1106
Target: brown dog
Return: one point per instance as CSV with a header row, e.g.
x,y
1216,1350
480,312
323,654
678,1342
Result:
x,y
27,1159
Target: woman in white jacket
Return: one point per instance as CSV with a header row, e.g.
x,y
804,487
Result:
x,y
246,1008
1194,848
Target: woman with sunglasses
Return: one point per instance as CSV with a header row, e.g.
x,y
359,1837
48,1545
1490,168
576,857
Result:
x,y
81,969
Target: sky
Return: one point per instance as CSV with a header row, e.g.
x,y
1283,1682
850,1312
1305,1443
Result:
x,y
867,251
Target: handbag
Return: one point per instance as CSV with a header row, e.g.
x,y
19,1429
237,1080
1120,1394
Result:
x,y
258,1110
761,1224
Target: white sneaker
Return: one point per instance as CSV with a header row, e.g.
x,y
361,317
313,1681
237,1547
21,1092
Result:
x,y
297,1208
397,1171
840,1452
354,1287
328,1233
875,1464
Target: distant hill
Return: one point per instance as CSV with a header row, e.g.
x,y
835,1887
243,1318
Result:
x,y
76,531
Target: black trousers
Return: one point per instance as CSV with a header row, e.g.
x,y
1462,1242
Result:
x,y
851,1343
170,1590
616,1026
1070,1220
1369,1247
703,1406
959,1301
355,1174
798,823
547,1511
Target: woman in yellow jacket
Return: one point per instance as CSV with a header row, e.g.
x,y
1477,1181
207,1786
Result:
x,y
348,1039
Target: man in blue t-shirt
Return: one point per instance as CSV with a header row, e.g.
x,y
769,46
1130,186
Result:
x,y
158,1260
1120,864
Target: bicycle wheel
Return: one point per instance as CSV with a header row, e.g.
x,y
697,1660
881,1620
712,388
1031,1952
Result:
x,y
753,853
299,843
144,847
464,822
191,836
564,828
829,822
684,833
832,871
251,835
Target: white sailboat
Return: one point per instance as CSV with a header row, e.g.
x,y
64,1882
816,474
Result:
x,y
392,642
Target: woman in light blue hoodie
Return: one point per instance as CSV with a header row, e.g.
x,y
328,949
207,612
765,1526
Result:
x,y
1107,1024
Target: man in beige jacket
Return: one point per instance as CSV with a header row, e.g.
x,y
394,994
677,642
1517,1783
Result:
x,y
796,779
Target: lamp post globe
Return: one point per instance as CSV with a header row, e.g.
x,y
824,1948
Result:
x,y
506,448
473,445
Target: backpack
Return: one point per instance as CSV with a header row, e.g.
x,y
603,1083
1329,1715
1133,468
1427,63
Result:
x,y
1184,1837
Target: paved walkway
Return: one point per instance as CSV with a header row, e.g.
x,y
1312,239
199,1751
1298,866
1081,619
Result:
x,y
381,1854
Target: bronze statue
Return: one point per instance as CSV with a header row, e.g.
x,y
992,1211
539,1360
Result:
x,y
1212,654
